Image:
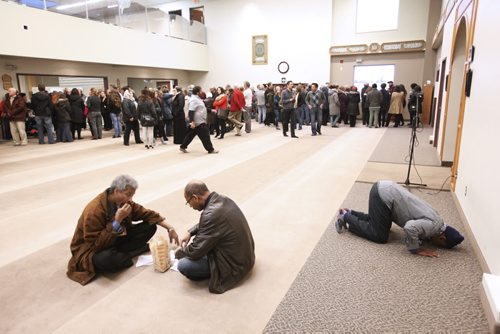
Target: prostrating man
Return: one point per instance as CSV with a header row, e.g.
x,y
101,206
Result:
x,y
288,113
222,249
390,202
105,239
197,123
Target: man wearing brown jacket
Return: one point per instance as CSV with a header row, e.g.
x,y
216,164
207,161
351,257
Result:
x,y
15,110
222,249
105,239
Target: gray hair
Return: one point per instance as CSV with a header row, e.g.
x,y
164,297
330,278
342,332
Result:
x,y
121,182
195,187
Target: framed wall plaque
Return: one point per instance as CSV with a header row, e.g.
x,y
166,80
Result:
x,y
259,50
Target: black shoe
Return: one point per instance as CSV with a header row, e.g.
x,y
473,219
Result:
x,y
319,133
147,146
294,136
126,144
213,152
139,142
285,135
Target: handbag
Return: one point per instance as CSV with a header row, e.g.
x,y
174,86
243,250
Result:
x,y
222,113
147,120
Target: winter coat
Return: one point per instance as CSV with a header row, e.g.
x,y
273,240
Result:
x,y
77,108
94,103
373,98
333,100
146,107
178,106
40,102
15,112
94,233
353,99
396,106
63,111
129,110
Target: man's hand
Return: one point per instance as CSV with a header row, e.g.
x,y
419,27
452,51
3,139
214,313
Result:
x,y
426,252
123,212
173,236
192,125
185,239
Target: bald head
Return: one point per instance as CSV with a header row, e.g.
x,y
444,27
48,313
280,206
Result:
x,y
12,91
196,187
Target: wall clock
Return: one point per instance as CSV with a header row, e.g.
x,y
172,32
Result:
x,y
283,67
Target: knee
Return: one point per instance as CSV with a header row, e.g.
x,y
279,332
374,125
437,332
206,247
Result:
x,y
183,266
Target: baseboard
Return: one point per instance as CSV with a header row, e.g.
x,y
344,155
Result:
x,y
470,236
493,325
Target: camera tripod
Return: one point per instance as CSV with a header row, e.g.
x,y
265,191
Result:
x,y
414,125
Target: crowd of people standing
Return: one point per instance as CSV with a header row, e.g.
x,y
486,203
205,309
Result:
x,y
157,114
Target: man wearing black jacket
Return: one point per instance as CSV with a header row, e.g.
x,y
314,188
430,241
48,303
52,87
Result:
x,y
40,102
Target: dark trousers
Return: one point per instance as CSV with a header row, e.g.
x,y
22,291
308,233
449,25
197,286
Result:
x,y
376,224
159,130
220,129
288,116
129,126
352,121
76,130
202,132
366,116
119,256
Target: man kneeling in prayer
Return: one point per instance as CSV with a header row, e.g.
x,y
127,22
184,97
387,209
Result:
x,y
222,249
105,239
390,202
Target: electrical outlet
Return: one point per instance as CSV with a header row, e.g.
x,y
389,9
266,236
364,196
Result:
x,y
465,194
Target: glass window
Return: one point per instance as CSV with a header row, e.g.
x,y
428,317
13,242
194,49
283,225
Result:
x,y
376,15
371,74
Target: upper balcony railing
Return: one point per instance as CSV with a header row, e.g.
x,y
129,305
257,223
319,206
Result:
x,y
125,13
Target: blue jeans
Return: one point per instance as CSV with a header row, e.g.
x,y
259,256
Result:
x,y
334,119
261,113
316,119
298,117
115,118
306,117
41,123
195,270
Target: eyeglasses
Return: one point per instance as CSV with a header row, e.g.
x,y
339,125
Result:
x,y
189,200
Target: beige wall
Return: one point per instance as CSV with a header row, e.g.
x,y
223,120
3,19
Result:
x,y
112,72
408,67
412,24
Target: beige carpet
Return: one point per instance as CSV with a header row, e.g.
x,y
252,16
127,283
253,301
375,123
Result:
x,y
288,190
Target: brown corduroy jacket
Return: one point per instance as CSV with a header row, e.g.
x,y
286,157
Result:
x,y
94,233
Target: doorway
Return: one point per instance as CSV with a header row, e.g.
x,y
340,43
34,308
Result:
x,y
442,83
454,110
196,14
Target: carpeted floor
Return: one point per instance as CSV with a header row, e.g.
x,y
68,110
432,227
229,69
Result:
x,y
394,147
351,285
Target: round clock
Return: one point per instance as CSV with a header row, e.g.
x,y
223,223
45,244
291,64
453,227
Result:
x,y
283,67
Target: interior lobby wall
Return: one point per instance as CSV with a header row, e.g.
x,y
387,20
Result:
x,y
114,73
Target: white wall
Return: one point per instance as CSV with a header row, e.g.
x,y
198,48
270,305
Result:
x,y
56,36
479,154
298,32
411,25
